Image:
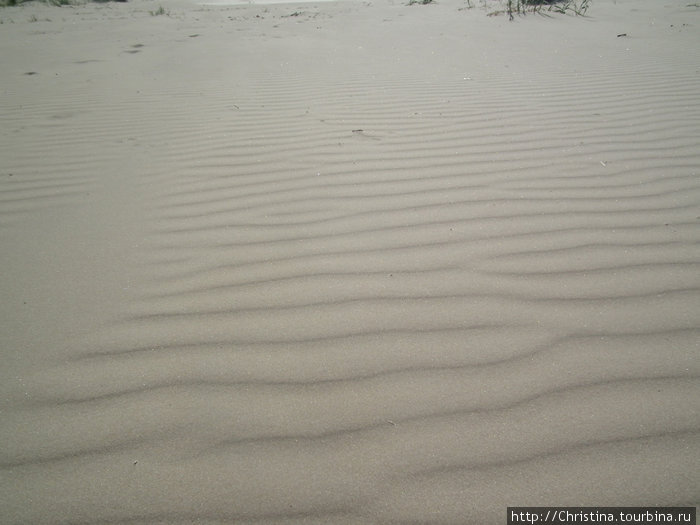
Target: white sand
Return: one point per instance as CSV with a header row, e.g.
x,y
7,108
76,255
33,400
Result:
x,y
354,262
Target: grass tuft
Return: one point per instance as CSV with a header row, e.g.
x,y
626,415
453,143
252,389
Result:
x,y
578,7
159,12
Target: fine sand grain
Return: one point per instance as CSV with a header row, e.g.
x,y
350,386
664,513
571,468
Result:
x,y
347,262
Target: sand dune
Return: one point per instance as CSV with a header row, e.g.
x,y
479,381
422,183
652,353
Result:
x,y
347,263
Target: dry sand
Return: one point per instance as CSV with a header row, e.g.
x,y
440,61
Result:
x,y
347,263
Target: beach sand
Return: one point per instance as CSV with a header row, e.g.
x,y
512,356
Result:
x,y
347,262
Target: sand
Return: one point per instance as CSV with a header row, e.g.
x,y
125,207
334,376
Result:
x,y
347,262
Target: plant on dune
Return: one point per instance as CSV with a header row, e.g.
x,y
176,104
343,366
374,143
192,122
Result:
x,y
581,7
578,7
158,12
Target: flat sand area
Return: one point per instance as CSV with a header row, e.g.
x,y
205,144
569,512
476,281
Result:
x,y
354,262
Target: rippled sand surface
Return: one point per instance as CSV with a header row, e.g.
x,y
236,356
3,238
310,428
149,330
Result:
x,y
347,263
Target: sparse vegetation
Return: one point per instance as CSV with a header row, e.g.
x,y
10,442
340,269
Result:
x,y
578,7
421,2
158,12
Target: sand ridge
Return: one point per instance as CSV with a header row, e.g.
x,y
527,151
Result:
x,y
347,262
